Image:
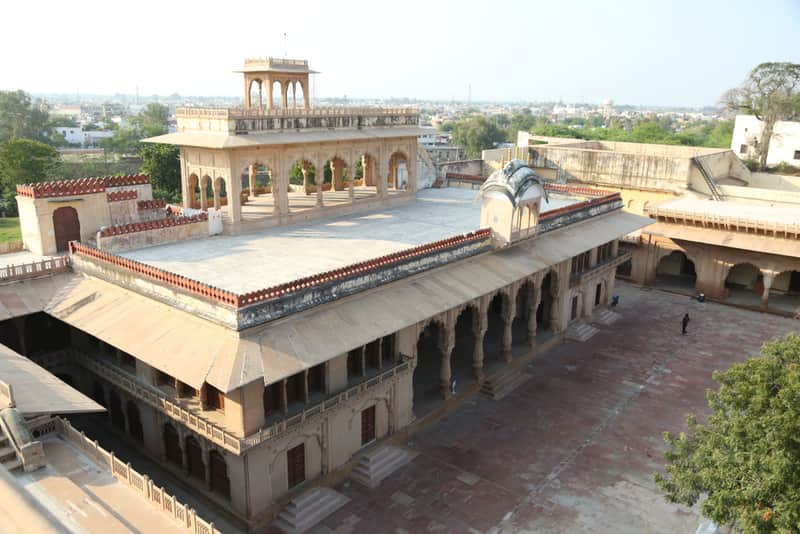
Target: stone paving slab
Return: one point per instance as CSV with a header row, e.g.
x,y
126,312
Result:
x,y
574,449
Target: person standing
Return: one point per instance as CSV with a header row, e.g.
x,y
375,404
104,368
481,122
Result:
x,y
684,323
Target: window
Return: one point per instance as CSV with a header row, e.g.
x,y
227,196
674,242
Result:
x,y
354,367
215,399
163,379
368,426
797,154
742,149
296,465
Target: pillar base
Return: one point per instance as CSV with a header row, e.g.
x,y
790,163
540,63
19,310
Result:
x,y
477,373
444,390
506,356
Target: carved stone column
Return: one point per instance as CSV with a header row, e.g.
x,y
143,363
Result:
x,y
276,204
320,179
351,190
203,195
363,356
447,342
480,324
252,181
534,299
768,279
268,81
508,312
304,171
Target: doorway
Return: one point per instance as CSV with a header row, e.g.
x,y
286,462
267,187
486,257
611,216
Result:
x,y
66,227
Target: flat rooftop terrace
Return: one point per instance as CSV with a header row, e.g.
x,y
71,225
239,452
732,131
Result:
x,y
249,262
731,210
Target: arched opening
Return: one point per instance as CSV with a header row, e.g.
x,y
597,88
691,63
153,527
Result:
x,y
365,177
194,191
398,172
744,284
784,293
172,445
256,96
9,336
519,328
219,474
277,95
676,272
44,333
493,340
99,394
461,366
299,95
546,313
194,458
427,393
257,197
220,193
302,185
134,421
337,174
66,227
115,410
625,269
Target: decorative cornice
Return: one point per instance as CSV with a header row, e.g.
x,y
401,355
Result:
x,y
158,203
81,186
130,228
119,196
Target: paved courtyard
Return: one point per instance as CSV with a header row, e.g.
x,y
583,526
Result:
x,y
573,449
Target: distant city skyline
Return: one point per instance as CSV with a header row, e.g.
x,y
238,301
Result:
x,y
678,54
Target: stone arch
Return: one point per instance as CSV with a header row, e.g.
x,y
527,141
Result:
x,y
547,311
366,174
66,227
465,338
134,421
493,339
195,465
194,191
398,170
115,410
277,95
218,470
260,86
745,282
172,446
784,292
426,380
206,191
220,193
676,271
524,296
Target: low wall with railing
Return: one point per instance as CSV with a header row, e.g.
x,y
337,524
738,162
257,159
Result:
x,y
123,472
36,269
150,233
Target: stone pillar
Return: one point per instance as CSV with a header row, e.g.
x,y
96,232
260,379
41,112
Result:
x,y
351,188
534,299
508,313
215,190
276,203
768,278
411,167
320,179
304,171
337,166
203,195
479,326
366,167
383,175
284,396
362,354
253,169
615,248
284,95
447,343
593,257
247,84
268,81
233,186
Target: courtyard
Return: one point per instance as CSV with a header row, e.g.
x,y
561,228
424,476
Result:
x,y
573,449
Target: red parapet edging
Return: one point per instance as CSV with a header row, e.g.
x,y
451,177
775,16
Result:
x,y
81,186
187,284
581,205
131,228
359,268
578,190
62,188
118,196
468,177
254,297
158,203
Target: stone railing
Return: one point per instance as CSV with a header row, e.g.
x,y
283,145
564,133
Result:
x,y
25,271
130,228
245,113
156,204
119,196
323,407
578,190
270,62
726,222
360,268
123,472
610,263
28,451
194,287
578,206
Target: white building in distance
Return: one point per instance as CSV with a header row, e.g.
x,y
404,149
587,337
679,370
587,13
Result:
x,y
783,147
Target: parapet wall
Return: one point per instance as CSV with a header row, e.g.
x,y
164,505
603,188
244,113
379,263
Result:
x,y
151,233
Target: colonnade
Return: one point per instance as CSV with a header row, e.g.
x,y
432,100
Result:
x,y
284,85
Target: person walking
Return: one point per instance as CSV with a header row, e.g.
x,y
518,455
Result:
x,y
684,324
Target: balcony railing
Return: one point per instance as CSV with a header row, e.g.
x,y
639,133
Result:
x,y
726,222
159,400
36,269
611,263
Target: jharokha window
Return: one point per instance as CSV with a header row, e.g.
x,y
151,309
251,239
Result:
x,y
215,399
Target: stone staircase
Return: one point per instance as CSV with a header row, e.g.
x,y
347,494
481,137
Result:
x,y
581,332
8,456
606,317
503,382
378,464
308,509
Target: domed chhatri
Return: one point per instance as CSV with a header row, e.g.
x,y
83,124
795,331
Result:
x,y
517,182
511,199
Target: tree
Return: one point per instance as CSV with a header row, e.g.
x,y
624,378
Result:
x,y
476,134
152,121
770,92
746,457
23,161
162,163
20,118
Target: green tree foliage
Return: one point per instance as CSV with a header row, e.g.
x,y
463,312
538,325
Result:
x,y
477,133
152,121
771,92
162,163
745,459
24,161
19,118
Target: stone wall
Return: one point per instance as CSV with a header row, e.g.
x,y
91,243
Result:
x,y
148,237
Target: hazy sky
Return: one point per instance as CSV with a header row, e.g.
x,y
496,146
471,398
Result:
x,y
666,52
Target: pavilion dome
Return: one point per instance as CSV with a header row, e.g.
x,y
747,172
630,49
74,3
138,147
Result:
x,y
515,181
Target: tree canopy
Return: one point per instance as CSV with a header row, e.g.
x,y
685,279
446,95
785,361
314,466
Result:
x,y
771,92
24,161
19,118
745,459
162,163
477,133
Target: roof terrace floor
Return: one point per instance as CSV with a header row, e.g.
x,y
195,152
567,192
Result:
x,y
249,262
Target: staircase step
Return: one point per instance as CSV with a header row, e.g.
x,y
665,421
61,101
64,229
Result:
x,y
308,509
606,317
378,464
504,382
581,332
11,465
6,451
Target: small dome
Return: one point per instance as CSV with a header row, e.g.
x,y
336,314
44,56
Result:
x,y
515,181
